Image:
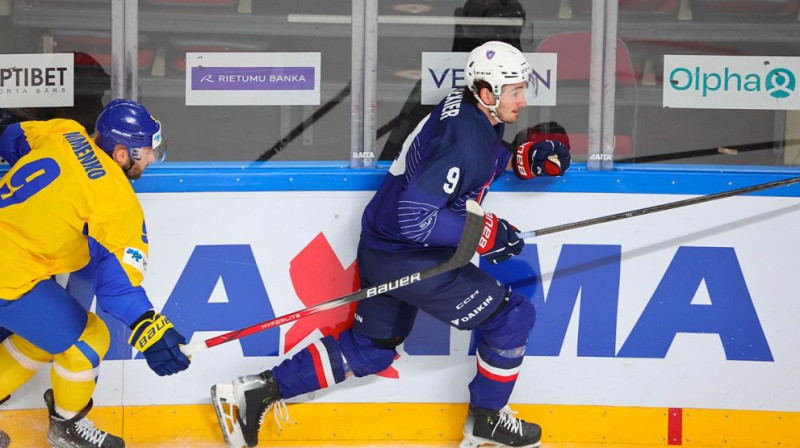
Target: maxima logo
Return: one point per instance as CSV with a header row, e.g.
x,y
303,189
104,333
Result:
x,y
731,82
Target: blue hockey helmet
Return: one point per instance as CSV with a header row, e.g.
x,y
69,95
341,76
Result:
x,y
128,123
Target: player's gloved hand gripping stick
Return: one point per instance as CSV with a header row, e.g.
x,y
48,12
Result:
x,y
656,208
154,336
466,249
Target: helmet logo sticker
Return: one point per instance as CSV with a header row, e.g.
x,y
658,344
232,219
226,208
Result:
x,y
489,54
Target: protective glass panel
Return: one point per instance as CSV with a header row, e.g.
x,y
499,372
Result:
x,y
707,81
423,48
262,80
35,86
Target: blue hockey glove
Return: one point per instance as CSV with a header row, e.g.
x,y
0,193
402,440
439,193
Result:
x,y
154,336
499,240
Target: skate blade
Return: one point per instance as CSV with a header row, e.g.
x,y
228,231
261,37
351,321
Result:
x,y
224,401
478,442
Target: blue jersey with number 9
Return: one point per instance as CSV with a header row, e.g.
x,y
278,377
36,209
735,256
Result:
x,y
452,156
64,203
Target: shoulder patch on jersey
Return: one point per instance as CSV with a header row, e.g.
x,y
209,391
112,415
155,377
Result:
x,y
135,258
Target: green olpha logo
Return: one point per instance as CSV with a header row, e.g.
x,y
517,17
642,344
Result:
x,y
779,83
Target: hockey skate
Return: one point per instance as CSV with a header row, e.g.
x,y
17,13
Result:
x,y
499,428
241,407
5,440
78,431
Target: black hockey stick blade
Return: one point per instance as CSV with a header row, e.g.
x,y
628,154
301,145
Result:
x,y
657,208
467,247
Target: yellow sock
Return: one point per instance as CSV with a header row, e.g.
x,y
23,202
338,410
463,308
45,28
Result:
x,y
19,361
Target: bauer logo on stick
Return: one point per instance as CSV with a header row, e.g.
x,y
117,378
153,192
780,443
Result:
x,y
386,287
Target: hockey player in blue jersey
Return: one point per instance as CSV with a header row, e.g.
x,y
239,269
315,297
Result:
x,y
414,222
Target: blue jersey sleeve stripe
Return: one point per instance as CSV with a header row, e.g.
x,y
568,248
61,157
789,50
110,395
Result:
x,y
89,353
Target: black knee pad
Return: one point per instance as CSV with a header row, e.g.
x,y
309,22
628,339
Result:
x,y
365,355
389,344
515,319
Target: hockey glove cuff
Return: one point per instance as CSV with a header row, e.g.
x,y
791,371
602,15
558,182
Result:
x,y
499,240
154,336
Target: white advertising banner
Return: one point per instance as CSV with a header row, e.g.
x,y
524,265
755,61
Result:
x,y
37,80
443,72
252,79
731,82
696,307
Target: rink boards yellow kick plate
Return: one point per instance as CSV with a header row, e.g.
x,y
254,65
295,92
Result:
x,y
415,423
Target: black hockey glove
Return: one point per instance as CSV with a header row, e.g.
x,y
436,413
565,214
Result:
x,y
154,336
499,240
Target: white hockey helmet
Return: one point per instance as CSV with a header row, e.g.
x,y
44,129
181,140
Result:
x,y
498,63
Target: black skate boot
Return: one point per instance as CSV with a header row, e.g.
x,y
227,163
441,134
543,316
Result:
x,y
241,407
499,428
78,431
5,440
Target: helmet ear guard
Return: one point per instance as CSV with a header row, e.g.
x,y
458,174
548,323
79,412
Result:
x,y
128,123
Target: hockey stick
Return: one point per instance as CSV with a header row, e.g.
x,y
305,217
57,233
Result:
x,y
305,124
720,150
463,254
656,208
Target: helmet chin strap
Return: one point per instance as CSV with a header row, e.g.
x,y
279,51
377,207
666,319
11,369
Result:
x,y
492,109
131,163
129,167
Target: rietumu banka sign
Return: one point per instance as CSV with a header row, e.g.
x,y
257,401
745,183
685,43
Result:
x,y
252,79
731,82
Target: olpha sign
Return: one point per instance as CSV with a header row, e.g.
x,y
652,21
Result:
x,y
731,82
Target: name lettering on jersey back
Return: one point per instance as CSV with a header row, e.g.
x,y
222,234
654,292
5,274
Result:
x,y
452,104
86,156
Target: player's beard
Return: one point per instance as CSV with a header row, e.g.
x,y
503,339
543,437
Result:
x,y
131,172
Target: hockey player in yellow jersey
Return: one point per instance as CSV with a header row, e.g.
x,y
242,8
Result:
x,y
67,201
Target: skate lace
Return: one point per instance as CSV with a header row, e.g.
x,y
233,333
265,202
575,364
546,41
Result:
x,y
508,421
279,410
85,428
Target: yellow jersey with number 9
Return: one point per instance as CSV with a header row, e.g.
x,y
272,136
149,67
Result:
x,y
63,203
